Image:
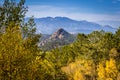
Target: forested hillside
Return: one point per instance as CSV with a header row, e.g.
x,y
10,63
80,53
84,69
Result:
x,y
94,56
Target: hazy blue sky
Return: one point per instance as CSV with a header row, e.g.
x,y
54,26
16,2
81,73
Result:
x,y
101,11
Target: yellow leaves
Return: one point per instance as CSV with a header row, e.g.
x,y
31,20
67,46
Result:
x,y
78,76
111,68
109,79
35,64
10,41
46,64
109,71
79,69
113,53
10,44
101,71
16,59
70,69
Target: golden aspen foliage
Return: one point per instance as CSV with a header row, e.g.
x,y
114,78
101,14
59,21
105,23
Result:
x,y
79,70
101,72
111,69
113,53
15,57
78,76
108,71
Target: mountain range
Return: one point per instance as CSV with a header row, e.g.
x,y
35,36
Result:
x,y
48,25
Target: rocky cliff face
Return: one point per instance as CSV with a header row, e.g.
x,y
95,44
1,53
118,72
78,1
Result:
x,y
60,34
58,38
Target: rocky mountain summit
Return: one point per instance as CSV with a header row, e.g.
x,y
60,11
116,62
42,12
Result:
x,y
57,39
60,34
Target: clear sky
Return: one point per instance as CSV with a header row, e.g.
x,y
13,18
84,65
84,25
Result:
x,y
101,11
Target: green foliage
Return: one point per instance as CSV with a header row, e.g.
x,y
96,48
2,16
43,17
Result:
x,y
98,47
12,13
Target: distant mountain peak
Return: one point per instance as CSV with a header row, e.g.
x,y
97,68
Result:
x,y
61,31
61,17
60,34
59,38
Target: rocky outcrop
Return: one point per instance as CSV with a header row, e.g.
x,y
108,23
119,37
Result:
x,y
60,34
58,38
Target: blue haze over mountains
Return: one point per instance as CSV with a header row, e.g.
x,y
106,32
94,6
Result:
x,y
48,25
